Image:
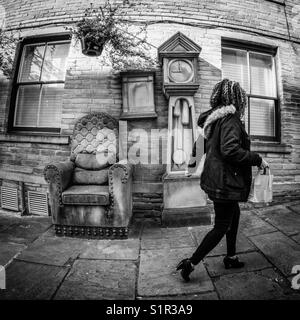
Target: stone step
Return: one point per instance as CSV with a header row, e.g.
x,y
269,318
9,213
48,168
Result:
x,y
180,217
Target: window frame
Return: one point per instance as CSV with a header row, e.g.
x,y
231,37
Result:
x,y
267,50
63,38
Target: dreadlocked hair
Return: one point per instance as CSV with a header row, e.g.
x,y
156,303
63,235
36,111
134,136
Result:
x,y
227,92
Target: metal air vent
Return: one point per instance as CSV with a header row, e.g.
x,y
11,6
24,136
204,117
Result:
x,y
9,198
37,203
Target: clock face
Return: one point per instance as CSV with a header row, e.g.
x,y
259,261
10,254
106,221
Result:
x,y
180,71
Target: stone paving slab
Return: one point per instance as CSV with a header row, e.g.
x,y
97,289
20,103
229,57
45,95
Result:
x,y
296,238
157,275
10,218
253,261
25,231
203,296
158,232
32,281
251,224
95,279
7,218
135,230
56,251
282,251
112,249
269,210
256,285
166,237
49,232
285,220
242,244
295,208
8,251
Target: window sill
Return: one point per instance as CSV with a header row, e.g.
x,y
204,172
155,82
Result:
x,y
34,138
270,147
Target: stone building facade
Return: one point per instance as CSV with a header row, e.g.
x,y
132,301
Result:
x,y
261,27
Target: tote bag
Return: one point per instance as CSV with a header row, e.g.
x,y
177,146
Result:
x,y
262,187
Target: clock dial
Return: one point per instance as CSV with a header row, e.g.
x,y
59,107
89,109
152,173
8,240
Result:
x,y
181,71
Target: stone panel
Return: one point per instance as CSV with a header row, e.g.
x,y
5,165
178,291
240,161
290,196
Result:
x,y
253,261
161,279
257,285
8,251
97,280
56,251
31,281
112,249
251,224
279,249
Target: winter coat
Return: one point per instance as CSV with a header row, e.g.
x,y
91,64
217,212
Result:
x,y
227,173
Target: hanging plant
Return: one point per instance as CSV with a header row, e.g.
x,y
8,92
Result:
x,y
106,27
7,51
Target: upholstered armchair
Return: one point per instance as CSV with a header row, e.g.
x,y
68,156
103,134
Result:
x,y
91,194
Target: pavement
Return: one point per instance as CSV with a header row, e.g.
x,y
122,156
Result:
x,y
40,265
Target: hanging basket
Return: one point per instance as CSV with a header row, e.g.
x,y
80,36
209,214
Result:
x,y
90,48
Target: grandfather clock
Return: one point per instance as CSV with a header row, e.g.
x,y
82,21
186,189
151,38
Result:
x,y
183,197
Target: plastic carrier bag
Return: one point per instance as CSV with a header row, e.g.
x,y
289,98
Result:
x,y
262,187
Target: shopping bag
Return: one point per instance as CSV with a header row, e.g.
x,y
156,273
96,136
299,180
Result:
x,y
262,187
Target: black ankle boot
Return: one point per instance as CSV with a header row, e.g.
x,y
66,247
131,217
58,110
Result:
x,y
186,268
233,263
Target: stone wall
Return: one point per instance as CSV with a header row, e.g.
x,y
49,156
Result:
x,y
91,87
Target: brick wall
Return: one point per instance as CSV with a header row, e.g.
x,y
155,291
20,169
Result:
x,y
91,87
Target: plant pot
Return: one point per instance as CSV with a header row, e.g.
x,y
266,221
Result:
x,y
90,48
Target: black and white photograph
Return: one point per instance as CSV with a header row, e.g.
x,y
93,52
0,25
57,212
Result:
x,y
150,153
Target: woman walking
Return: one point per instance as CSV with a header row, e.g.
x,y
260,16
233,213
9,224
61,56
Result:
x,y
227,174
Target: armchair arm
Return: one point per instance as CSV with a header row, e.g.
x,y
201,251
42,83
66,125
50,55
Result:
x,y
120,190
59,176
59,173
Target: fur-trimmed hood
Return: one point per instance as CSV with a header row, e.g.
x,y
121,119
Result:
x,y
207,118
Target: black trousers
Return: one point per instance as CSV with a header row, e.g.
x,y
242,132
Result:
x,y
227,216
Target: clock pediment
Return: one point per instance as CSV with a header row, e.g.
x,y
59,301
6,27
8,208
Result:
x,y
178,43
179,59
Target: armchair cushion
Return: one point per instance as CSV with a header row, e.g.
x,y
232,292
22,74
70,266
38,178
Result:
x,y
91,161
86,195
96,177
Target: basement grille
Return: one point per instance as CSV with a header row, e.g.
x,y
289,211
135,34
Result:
x,y
9,198
37,203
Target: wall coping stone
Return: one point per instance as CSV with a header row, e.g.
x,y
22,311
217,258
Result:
x,y
271,147
147,187
35,138
22,177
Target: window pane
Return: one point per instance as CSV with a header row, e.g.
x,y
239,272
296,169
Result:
x,y
54,66
262,117
50,109
235,67
27,105
31,63
262,75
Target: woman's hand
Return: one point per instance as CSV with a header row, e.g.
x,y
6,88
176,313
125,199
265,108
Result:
x,y
187,173
264,164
